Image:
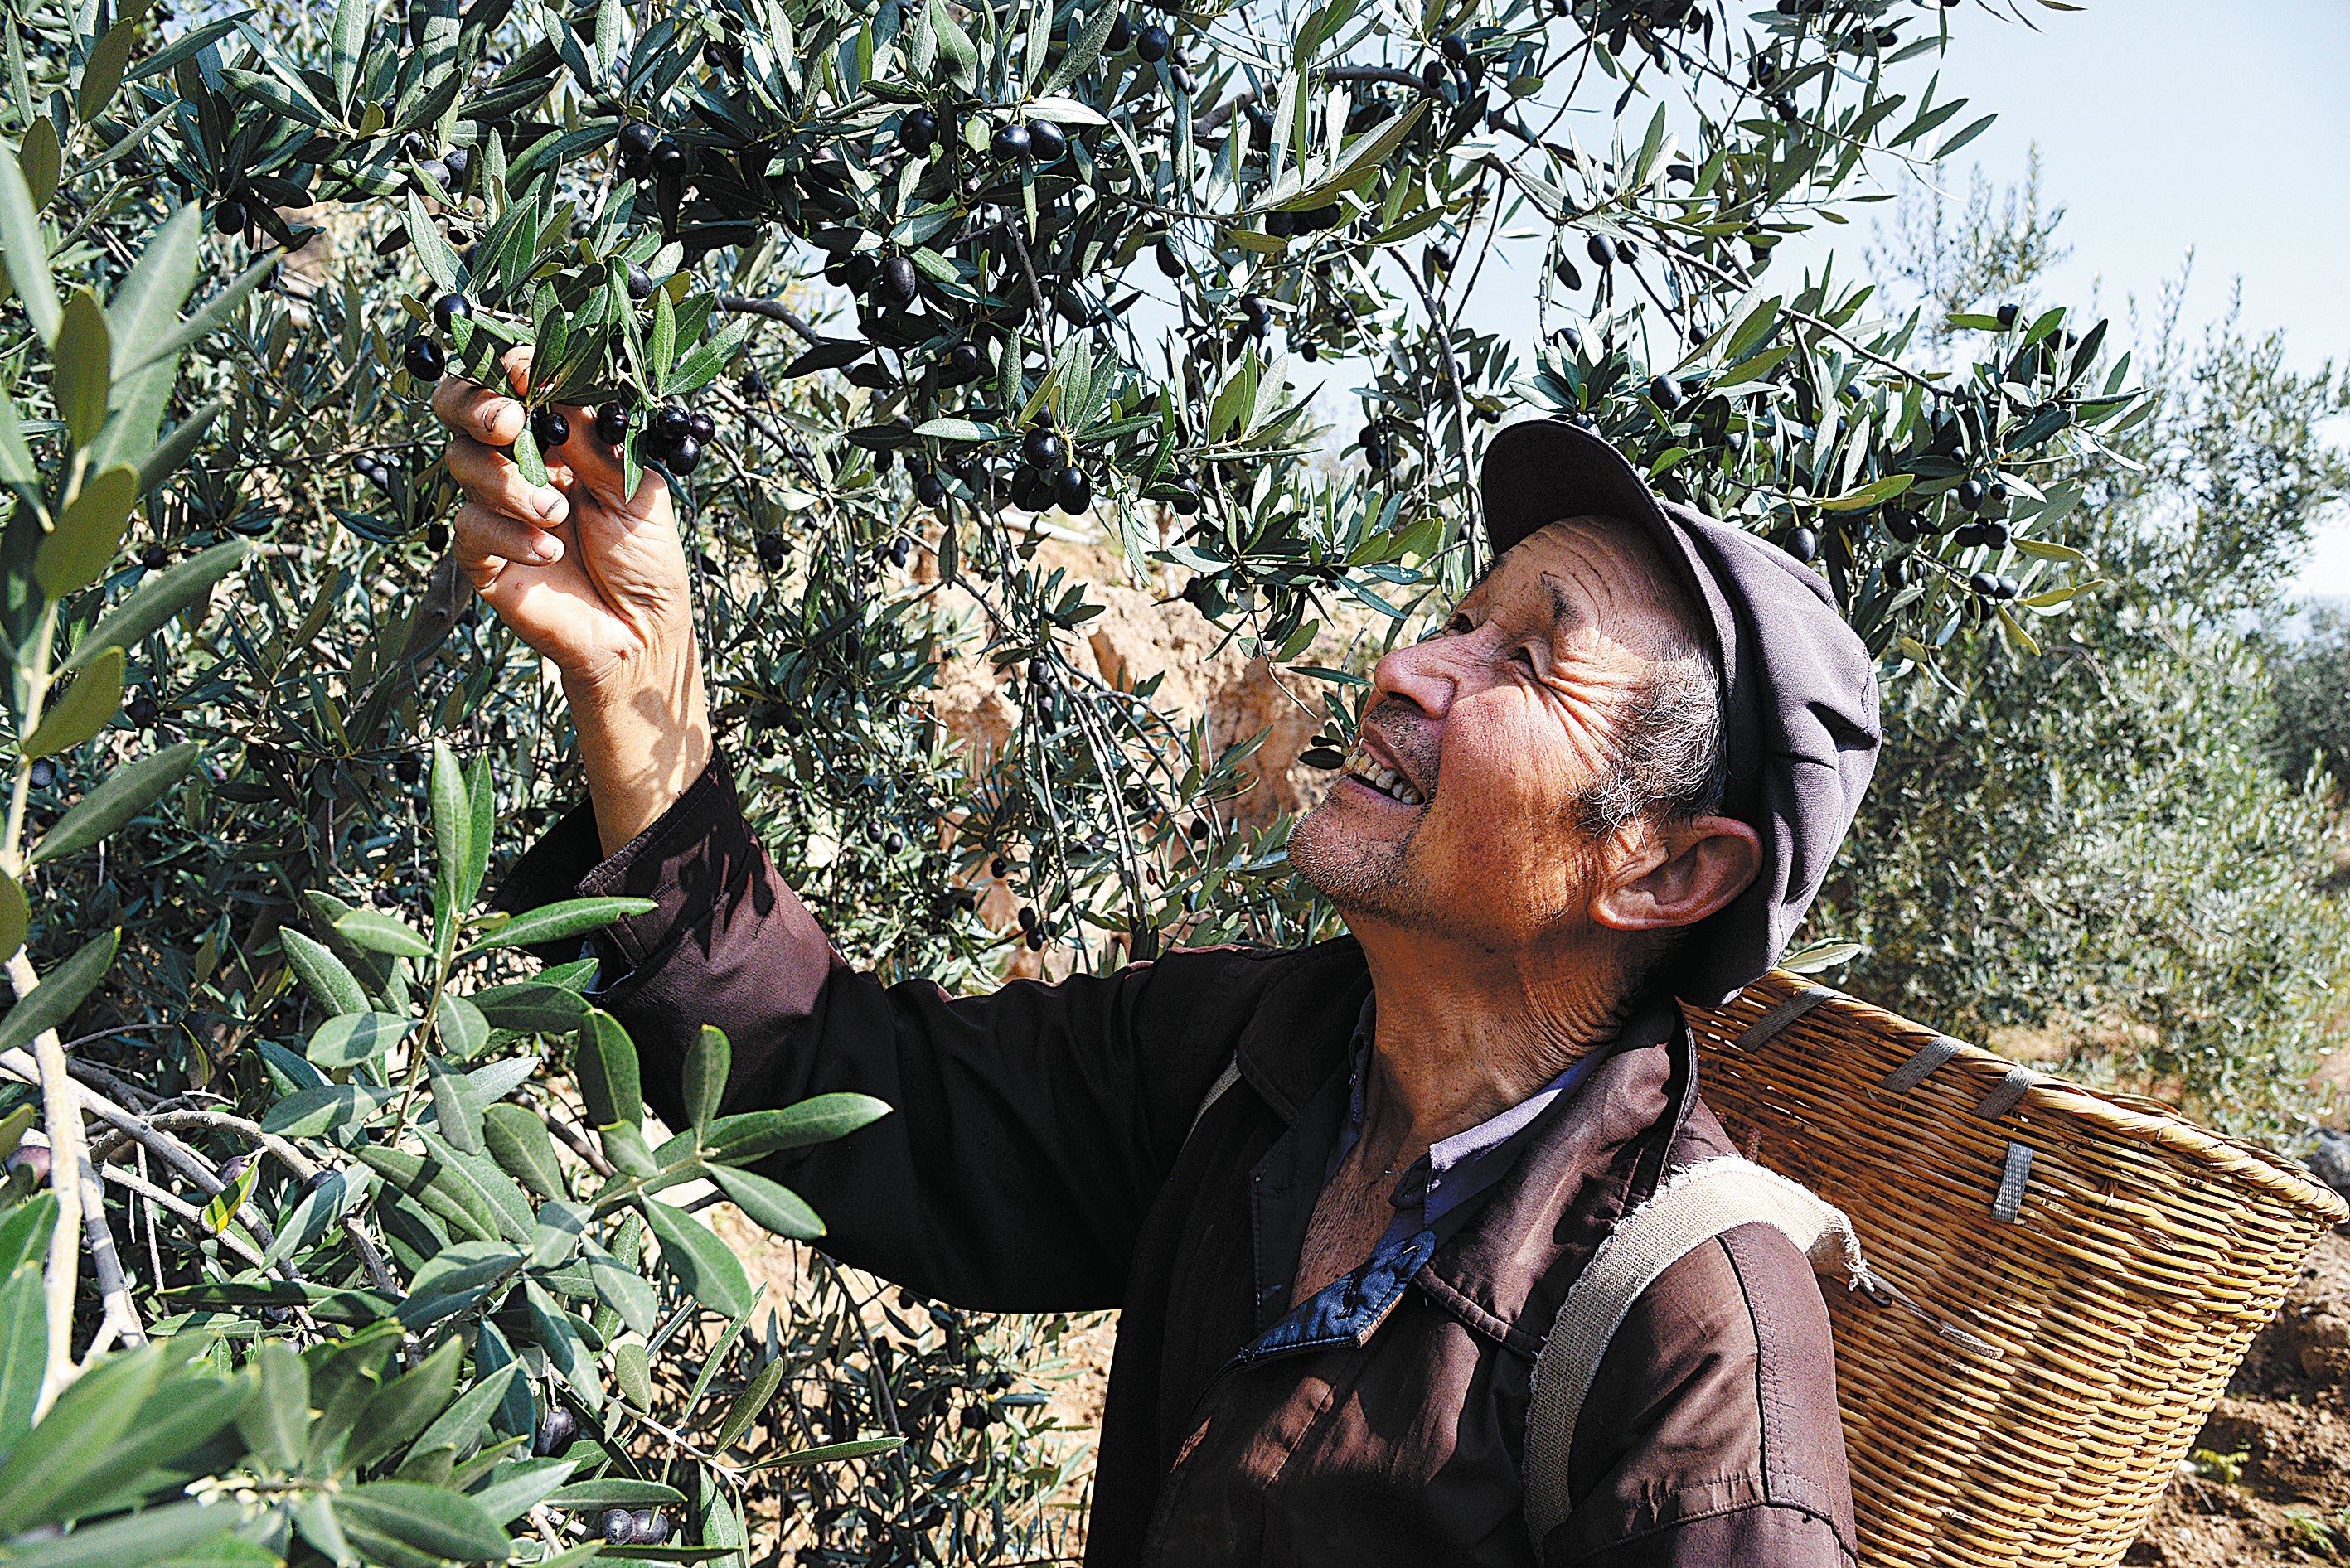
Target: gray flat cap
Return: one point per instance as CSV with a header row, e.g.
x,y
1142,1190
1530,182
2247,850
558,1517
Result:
x,y
1799,687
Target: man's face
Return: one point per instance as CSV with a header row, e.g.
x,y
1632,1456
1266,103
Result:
x,y
1484,739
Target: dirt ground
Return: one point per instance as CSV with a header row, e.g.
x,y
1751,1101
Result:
x,y
2268,1480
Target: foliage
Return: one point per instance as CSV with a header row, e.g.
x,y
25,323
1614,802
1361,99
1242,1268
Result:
x,y
2310,676
2097,841
393,1218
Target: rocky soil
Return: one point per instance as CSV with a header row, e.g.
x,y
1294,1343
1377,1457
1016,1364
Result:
x,y
2268,1481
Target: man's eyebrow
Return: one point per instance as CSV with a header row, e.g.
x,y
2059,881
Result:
x,y
1565,614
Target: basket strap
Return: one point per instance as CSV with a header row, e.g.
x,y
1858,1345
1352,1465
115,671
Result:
x,y
1779,1017
1931,1056
1691,1207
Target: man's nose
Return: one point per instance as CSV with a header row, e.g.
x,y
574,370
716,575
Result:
x,y
1425,674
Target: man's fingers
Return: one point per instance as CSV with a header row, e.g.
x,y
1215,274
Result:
x,y
484,541
491,479
478,412
481,412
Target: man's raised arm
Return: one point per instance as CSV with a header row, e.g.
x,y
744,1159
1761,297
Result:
x,y
1031,1127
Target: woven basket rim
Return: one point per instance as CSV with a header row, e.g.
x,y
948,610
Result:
x,y
2129,1117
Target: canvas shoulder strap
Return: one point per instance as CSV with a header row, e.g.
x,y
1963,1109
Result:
x,y
1690,1207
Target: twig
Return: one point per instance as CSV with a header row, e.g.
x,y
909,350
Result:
x,y
1392,75
773,309
179,1207
1825,326
61,1110
1451,384
154,1246
106,1262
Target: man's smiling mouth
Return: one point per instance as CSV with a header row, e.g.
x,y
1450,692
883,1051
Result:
x,y
1366,769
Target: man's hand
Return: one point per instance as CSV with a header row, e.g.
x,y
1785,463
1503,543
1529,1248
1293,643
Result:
x,y
593,579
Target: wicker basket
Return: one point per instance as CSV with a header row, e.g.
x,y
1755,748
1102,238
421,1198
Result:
x,y
2083,1272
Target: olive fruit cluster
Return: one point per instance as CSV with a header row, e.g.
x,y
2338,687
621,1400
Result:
x,y
1040,143
1990,532
1379,451
1993,585
374,470
645,1527
1047,477
644,150
676,437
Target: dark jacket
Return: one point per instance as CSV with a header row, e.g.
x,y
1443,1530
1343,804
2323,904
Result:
x,y
1042,1157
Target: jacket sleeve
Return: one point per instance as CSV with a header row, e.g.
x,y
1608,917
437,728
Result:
x,y
1031,1127
1712,1437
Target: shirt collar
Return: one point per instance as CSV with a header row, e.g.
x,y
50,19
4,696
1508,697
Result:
x,y
1456,1169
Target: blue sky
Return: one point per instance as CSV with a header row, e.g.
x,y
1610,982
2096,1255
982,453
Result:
x,y
2165,127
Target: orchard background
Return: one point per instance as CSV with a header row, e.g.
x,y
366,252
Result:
x,y
993,353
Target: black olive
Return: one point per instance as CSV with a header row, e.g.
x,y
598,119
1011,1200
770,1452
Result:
x,y
1011,142
683,453
672,423
1565,272
1031,491
1187,497
1602,251
652,1526
753,384
1451,47
1626,250
964,362
1431,76
1047,142
142,713
1994,533
229,217
612,424
1970,494
1072,490
1902,526
1803,545
900,281
460,161
771,552
45,773
619,1526
2007,315
424,359
701,428
550,428
982,1418
640,282
1280,224
884,459
637,139
1664,393
667,158
154,557
433,169
1984,585
894,844
1027,917
1121,34
902,550
1306,351
1153,44
929,490
1897,573
1042,448
449,307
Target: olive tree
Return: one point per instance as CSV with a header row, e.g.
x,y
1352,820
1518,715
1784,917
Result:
x,y
889,293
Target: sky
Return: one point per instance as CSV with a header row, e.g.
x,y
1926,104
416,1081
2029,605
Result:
x,y
2164,129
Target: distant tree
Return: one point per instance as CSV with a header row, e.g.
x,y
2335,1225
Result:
x,y
2093,834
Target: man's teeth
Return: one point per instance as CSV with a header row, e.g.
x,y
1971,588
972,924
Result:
x,y
1386,780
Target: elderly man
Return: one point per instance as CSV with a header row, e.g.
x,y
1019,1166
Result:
x,y
1337,1194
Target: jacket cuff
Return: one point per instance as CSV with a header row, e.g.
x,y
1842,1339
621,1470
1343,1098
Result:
x,y
671,862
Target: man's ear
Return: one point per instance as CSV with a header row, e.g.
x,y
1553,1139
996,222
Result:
x,y
1682,873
